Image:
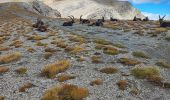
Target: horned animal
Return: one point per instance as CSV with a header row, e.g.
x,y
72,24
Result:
x,y
99,22
113,19
84,21
137,19
69,23
146,19
163,23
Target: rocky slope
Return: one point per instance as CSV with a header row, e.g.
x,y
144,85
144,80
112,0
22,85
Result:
x,y
95,8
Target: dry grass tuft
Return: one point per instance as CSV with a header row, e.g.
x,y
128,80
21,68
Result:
x,y
25,86
21,70
31,50
47,55
122,84
2,98
109,70
65,77
51,70
4,48
35,37
110,50
3,69
102,41
50,50
96,59
145,72
65,92
77,39
127,61
10,57
140,54
16,43
163,64
96,82
41,44
75,49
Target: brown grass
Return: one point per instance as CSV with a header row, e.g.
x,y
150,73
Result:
x,y
2,98
25,86
122,84
3,69
127,61
75,49
65,92
31,50
4,48
10,57
35,37
110,50
16,43
21,70
96,59
65,77
109,70
47,55
50,50
96,82
41,44
51,70
77,39
140,54
163,64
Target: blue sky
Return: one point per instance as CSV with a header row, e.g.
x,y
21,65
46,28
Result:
x,y
153,8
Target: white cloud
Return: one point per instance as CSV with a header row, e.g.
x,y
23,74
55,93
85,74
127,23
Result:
x,y
153,16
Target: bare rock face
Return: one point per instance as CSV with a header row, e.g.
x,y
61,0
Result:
x,y
95,8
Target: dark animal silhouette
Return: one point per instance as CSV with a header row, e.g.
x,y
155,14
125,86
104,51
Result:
x,y
40,25
84,21
137,19
163,23
113,19
146,19
69,23
99,22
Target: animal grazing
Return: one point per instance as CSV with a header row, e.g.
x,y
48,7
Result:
x,y
40,25
163,23
146,19
113,19
137,19
69,23
84,21
99,22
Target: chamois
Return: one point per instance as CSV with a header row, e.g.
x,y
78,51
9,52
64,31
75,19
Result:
x,y
137,19
163,23
113,19
40,25
84,21
99,22
146,19
69,23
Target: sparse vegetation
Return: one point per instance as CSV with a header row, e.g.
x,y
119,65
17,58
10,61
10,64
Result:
x,y
140,54
96,82
25,86
47,55
2,98
96,59
50,50
65,92
31,50
145,72
21,70
127,61
110,50
3,69
75,49
163,64
77,39
41,44
51,70
10,57
65,77
122,84
109,70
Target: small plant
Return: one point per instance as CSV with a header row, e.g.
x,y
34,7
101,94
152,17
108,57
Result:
x,y
96,59
134,91
75,49
47,55
145,72
77,39
163,64
31,50
10,57
25,86
65,92
109,70
41,44
140,54
4,48
35,37
80,59
122,84
16,43
2,98
50,50
127,61
64,77
21,70
51,70
96,82
102,41
155,79
3,69
110,51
